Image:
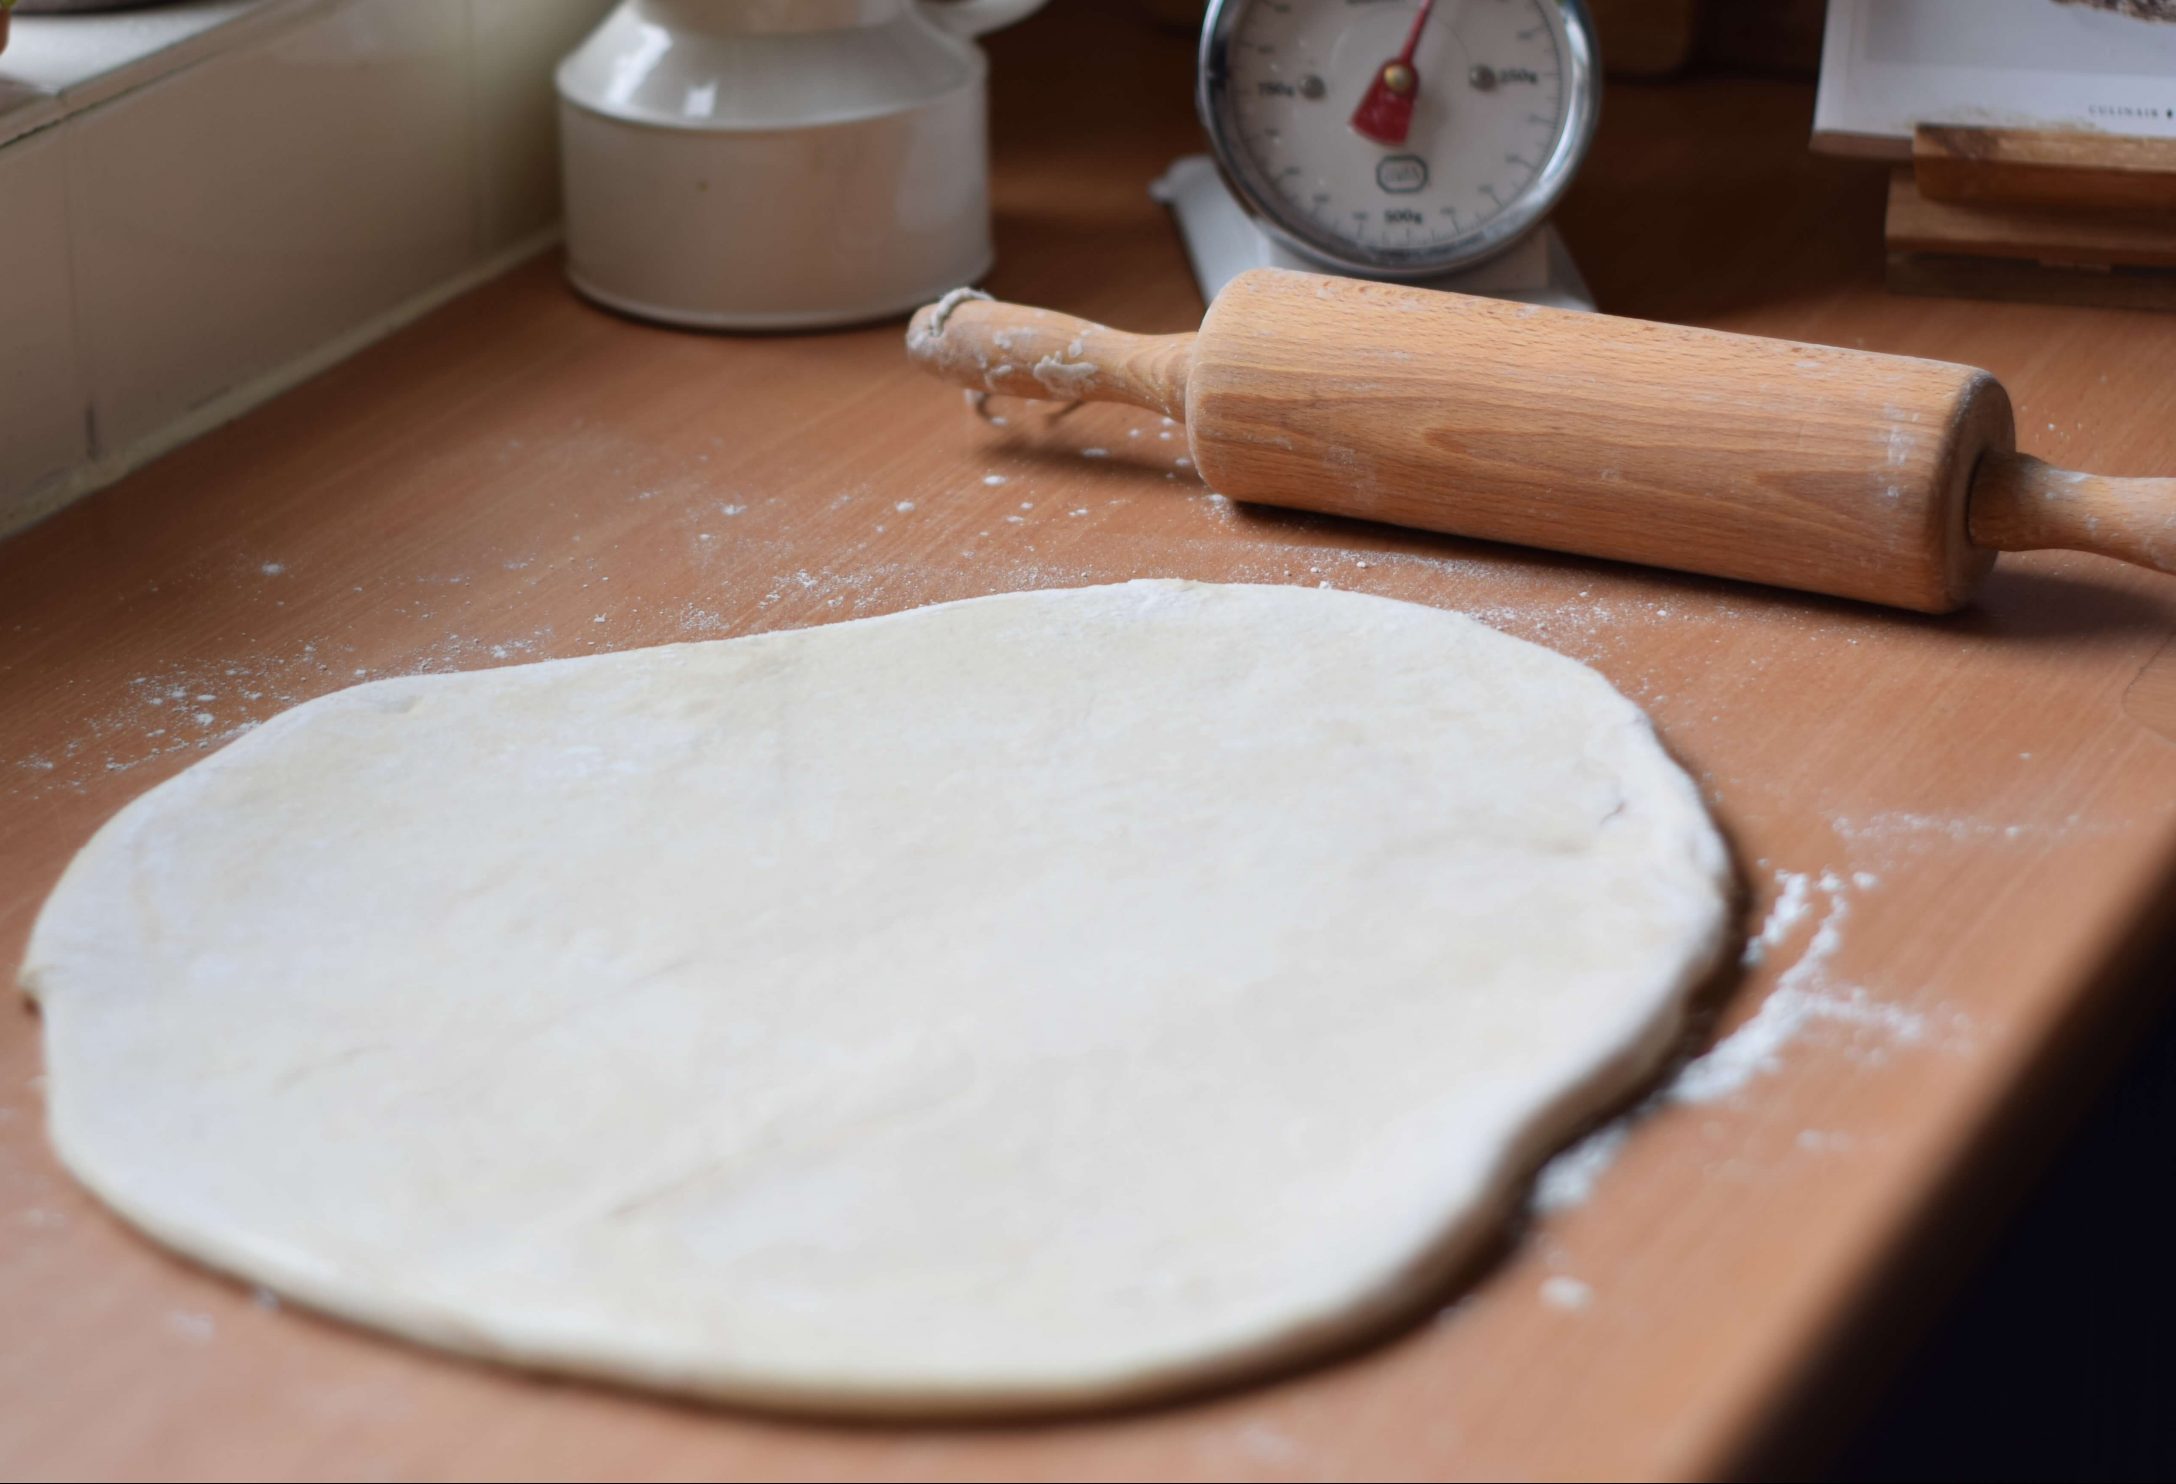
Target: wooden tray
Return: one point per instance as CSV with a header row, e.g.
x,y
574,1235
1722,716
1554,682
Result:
x,y
1991,799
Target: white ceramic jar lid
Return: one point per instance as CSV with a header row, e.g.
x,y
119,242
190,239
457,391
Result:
x,y
765,64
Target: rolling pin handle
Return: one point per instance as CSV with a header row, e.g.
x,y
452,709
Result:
x,y
1020,352
2019,503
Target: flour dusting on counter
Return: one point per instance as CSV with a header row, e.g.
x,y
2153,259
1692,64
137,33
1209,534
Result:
x,y
1791,904
1570,1179
197,1329
1266,1444
1802,997
1566,1293
1805,999
1901,826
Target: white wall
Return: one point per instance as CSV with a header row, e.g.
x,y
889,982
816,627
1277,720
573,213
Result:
x,y
242,193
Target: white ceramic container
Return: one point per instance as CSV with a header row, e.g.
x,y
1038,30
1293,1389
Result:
x,y
778,164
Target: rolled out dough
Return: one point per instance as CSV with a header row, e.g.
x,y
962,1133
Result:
x,y
1041,1000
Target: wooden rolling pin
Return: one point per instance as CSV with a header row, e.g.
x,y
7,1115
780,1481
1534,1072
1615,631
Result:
x,y
1837,471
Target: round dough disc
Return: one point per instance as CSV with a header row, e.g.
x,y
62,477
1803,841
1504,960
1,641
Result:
x,y
1041,1000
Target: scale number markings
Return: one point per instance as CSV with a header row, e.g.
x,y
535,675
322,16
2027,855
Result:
x,y
1489,115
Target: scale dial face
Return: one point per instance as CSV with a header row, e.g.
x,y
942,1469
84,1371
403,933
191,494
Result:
x,y
1394,138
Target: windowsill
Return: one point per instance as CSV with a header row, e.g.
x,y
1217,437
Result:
x,y
208,201
56,65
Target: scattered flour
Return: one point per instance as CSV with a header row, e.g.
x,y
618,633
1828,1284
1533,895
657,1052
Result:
x,y
1067,378
950,302
1793,889
1801,998
197,1329
1266,1444
1804,998
1756,1048
1899,825
1568,1294
1570,1179
159,715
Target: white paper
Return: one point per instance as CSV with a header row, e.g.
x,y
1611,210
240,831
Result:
x,y
1889,65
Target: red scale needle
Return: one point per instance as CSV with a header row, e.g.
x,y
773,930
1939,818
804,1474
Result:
x,y
1385,115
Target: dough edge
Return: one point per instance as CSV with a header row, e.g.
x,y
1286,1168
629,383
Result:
x,y
1609,1078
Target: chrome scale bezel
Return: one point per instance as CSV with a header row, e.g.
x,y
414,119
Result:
x,y
1506,228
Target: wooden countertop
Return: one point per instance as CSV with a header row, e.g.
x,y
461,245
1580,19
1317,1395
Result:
x,y
1978,813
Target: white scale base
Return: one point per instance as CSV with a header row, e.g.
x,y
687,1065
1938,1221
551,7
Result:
x,y
1223,241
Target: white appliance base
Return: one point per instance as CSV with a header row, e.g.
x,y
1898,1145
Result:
x,y
837,319
1223,241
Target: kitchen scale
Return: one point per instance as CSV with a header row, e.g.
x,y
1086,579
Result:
x,y
1424,141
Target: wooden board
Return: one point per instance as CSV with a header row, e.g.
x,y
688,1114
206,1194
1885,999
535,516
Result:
x,y
2081,169
2033,253
2031,283
1993,796
2059,235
